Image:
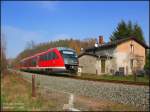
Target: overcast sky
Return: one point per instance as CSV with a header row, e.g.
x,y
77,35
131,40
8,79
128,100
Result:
x,y
45,21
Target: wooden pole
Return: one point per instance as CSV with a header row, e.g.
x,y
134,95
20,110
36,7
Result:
x,y
134,73
33,86
134,76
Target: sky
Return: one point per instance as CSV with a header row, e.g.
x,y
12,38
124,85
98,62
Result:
x,y
43,21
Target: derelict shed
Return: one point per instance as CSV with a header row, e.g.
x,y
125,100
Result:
x,y
94,64
88,63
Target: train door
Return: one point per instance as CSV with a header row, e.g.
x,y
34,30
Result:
x,y
42,60
50,61
37,61
54,59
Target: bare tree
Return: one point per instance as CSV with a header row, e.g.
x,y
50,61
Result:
x,y
3,63
30,44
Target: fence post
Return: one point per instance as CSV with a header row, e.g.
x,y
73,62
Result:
x,y
134,74
33,86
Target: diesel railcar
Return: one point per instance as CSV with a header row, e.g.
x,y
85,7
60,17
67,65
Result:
x,y
59,59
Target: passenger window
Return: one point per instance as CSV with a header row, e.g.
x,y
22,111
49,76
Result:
x,y
34,62
54,55
45,57
41,58
49,55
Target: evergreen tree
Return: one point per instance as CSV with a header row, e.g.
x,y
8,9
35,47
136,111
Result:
x,y
137,32
120,32
147,64
130,29
125,30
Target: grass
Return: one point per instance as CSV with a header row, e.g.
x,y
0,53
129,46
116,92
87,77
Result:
x,y
16,95
144,79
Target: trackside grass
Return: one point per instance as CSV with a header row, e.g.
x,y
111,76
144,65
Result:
x,y
16,96
144,79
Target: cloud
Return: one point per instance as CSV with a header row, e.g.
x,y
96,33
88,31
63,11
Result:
x,y
19,33
17,38
26,35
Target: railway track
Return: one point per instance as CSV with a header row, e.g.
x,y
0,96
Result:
x,y
113,81
74,76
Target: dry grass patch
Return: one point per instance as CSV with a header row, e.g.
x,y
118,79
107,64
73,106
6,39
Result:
x,y
17,95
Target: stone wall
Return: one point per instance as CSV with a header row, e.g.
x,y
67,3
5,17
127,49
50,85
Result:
x,y
137,53
88,64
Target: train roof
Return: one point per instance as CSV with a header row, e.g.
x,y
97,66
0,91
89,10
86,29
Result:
x,y
37,54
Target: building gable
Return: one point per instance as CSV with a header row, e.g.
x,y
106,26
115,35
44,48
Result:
x,y
126,47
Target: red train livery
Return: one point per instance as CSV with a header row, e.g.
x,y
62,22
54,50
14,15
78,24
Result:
x,y
59,59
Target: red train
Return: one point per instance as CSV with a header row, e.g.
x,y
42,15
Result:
x,y
59,59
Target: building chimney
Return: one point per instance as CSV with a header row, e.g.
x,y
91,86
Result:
x,y
101,40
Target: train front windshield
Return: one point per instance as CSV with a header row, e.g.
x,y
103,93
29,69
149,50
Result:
x,y
70,57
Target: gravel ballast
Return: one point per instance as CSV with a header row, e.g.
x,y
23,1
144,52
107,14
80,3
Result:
x,y
126,94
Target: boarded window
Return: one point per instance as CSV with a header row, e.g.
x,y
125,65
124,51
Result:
x,y
121,70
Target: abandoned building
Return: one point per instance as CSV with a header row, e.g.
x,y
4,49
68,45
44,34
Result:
x,y
122,56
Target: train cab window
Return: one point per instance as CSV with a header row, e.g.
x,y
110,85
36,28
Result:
x,y
68,54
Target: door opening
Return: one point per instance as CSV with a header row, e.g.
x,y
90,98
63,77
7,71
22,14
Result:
x,y
102,66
